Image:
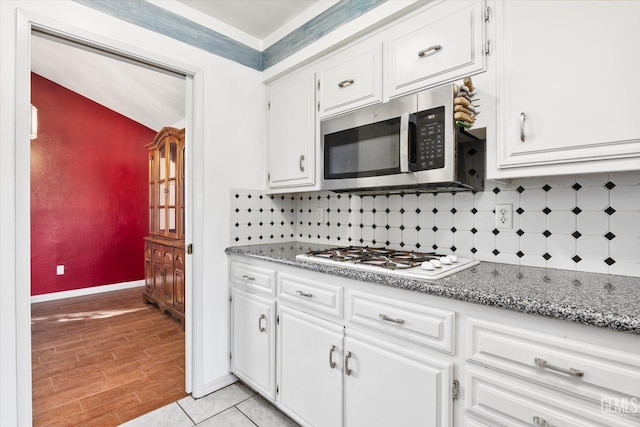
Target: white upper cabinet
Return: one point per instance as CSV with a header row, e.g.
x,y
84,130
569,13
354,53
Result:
x,y
350,79
442,43
567,84
291,133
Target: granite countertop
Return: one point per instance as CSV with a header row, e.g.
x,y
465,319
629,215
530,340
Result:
x,y
593,299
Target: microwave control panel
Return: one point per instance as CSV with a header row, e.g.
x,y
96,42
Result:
x,y
430,139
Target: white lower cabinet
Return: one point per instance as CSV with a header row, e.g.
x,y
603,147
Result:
x,y
253,341
310,368
386,385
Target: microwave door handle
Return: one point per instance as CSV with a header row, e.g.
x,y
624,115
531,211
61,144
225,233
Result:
x,y
404,143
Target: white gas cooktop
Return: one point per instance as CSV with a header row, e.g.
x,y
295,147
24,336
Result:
x,y
419,265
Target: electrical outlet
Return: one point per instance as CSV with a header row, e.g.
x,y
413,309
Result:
x,y
60,270
319,215
504,216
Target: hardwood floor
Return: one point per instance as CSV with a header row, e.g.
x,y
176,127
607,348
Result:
x,y
101,360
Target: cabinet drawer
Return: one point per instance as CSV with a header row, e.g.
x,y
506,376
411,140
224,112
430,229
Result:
x,y
603,372
503,400
254,279
318,297
442,43
409,322
350,80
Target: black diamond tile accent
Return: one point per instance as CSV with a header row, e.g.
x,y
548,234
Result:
x,y
418,245
374,241
249,224
520,189
435,247
386,226
435,228
546,256
373,210
519,211
361,210
361,225
453,229
576,186
454,210
474,250
496,231
520,254
576,259
610,261
546,187
374,226
576,210
546,233
547,211
237,225
249,196
453,248
387,243
474,230
237,210
609,185
576,234
418,210
496,190
402,244
435,210
418,228
402,227
520,232
387,210
474,211
496,252
349,225
237,196
401,210
349,210
610,236
610,210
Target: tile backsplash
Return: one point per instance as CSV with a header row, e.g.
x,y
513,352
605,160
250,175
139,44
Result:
x,y
584,222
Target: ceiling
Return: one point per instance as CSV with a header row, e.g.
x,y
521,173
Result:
x,y
151,97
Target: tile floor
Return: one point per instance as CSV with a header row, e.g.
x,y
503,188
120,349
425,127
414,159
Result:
x,y
233,406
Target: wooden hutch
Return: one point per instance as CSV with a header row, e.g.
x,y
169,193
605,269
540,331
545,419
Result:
x,y
164,247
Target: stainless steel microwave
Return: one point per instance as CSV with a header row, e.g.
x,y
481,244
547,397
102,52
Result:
x,y
407,144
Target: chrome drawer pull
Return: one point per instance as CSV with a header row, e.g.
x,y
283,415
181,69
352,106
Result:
x,y
260,327
523,117
541,422
332,364
346,363
346,83
304,294
571,371
301,161
435,47
390,319
245,277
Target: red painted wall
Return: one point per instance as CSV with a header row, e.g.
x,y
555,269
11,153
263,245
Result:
x,y
88,192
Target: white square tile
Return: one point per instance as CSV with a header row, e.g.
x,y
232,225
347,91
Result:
x,y
464,253
410,219
625,249
626,269
368,218
485,200
593,266
463,201
593,198
214,403
533,221
394,219
592,247
380,218
562,263
484,241
507,242
625,197
533,260
533,244
625,223
508,197
355,203
380,203
533,200
410,237
507,258
444,239
625,178
410,201
426,202
463,240
592,180
561,199
394,234
563,181
533,183
561,222
561,245
444,220
463,220
484,221
367,233
593,222
394,202
380,235
344,201
426,219
426,238
368,203
444,202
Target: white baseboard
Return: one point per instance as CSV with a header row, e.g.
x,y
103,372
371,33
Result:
x,y
215,385
86,291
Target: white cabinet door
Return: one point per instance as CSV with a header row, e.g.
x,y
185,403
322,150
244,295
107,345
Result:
x,y
291,133
392,386
253,341
350,80
568,73
310,368
442,43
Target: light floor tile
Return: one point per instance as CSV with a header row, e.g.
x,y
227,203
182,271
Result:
x,y
214,403
263,414
171,415
232,417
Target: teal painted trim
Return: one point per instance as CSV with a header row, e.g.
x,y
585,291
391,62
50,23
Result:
x,y
159,20
162,21
318,27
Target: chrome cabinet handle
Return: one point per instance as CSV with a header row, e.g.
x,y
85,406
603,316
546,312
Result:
x,y
435,47
245,277
539,421
260,327
301,163
571,371
345,83
523,117
304,294
332,364
404,143
346,363
390,319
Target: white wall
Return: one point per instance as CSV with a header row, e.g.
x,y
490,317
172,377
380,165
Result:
x,y
231,144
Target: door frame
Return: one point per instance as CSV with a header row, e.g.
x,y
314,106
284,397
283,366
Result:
x,y
27,22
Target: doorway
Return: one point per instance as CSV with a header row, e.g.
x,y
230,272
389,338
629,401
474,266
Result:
x,y
193,81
